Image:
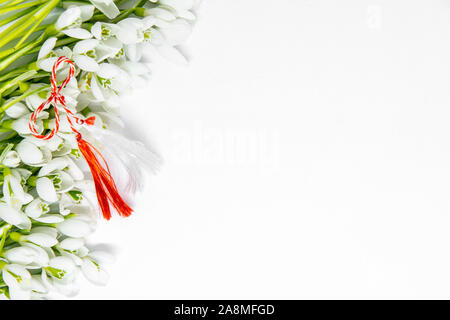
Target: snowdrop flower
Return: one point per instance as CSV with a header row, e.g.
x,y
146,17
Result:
x,y
48,55
17,110
71,244
38,288
50,218
84,55
63,271
69,22
103,30
35,100
160,13
46,189
53,165
30,154
41,236
37,208
76,255
18,280
14,216
53,144
74,227
21,125
13,193
109,80
28,254
11,159
107,7
134,30
93,271
68,200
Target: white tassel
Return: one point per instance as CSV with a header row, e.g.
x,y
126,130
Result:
x,y
127,159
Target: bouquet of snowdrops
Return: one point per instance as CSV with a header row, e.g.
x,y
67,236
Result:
x,y
64,64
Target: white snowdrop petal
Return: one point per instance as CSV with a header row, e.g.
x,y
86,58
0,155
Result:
x,y
53,165
94,273
17,290
14,217
11,159
62,263
50,218
68,17
86,63
85,46
77,33
96,30
108,70
21,126
86,12
21,255
40,255
46,230
74,227
35,208
46,189
29,153
71,244
96,91
161,13
107,7
74,170
42,239
102,257
47,47
66,182
47,64
38,285
17,110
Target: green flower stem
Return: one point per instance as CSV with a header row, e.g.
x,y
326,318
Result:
x,y
30,31
6,139
24,23
21,97
21,6
24,36
14,2
4,236
15,16
5,151
25,76
10,33
11,2
32,181
21,70
21,52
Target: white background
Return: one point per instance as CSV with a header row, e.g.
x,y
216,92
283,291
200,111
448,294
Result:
x,y
307,155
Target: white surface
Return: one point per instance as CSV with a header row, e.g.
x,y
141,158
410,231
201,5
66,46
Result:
x,y
307,153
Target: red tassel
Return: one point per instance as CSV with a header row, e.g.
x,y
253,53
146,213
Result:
x,y
105,187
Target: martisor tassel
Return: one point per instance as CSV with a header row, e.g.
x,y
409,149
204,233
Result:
x,y
105,187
